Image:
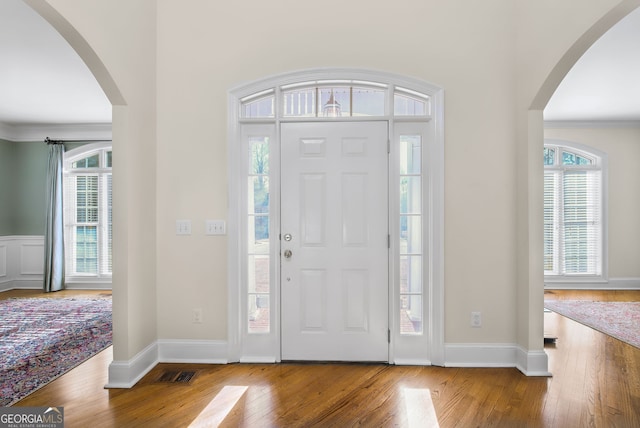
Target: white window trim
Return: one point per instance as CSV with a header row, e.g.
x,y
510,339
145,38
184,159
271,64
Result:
x,y
426,349
562,281
70,157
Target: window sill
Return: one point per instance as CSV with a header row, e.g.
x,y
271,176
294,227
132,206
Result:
x,y
576,283
88,283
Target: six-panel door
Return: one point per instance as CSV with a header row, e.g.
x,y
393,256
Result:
x,y
334,251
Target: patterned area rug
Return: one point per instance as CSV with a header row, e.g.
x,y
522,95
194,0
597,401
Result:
x,y
41,339
617,319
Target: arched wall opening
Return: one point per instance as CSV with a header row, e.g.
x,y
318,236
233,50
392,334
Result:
x,y
82,48
530,275
88,55
578,49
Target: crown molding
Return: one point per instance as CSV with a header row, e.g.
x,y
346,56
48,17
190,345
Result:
x,y
591,124
71,131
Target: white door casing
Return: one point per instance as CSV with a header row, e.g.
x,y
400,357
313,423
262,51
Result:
x,y
334,243
256,112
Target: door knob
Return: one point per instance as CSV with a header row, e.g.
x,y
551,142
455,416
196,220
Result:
x,y
287,254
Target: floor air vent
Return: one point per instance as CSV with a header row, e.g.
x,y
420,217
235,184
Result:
x,y
177,376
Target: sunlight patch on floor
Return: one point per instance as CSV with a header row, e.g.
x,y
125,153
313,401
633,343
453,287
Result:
x,y
419,407
219,407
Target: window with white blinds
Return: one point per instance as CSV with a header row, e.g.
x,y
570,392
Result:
x,y
87,212
573,207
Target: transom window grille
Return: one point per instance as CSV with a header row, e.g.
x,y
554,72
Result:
x,y
324,99
88,213
573,207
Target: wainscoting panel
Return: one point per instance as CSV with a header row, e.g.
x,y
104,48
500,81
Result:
x,y
32,258
3,261
21,262
22,266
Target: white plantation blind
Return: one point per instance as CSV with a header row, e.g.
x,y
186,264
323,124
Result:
x,y
573,206
551,225
88,214
581,228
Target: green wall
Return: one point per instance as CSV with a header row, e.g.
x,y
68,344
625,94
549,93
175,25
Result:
x,y
31,165
23,174
7,157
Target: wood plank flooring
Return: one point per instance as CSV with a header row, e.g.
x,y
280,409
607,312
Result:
x,y
596,382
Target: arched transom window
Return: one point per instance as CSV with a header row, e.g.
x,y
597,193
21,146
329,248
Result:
x,y
330,98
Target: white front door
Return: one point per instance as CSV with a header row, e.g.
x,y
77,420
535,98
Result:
x,y
334,247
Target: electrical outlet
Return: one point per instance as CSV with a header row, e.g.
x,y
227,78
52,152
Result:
x,y
476,319
197,316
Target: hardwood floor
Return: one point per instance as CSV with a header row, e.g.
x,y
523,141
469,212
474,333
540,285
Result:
x,y
58,294
596,382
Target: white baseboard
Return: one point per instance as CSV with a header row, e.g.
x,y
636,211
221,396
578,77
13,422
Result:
x,y
125,374
193,351
610,284
21,284
258,360
480,355
531,363
410,362
6,285
624,284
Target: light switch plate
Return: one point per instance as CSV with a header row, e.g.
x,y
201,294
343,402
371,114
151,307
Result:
x,y
215,227
183,227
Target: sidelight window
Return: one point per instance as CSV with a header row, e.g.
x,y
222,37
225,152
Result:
x,y
258,276
410,236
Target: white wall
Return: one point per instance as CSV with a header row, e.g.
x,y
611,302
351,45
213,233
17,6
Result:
x,y
622,145
206,48
174,63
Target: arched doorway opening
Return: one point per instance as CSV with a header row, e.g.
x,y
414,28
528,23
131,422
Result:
x,y
80,45
531,275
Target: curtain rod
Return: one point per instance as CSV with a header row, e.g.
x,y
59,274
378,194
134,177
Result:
x,y
50,141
